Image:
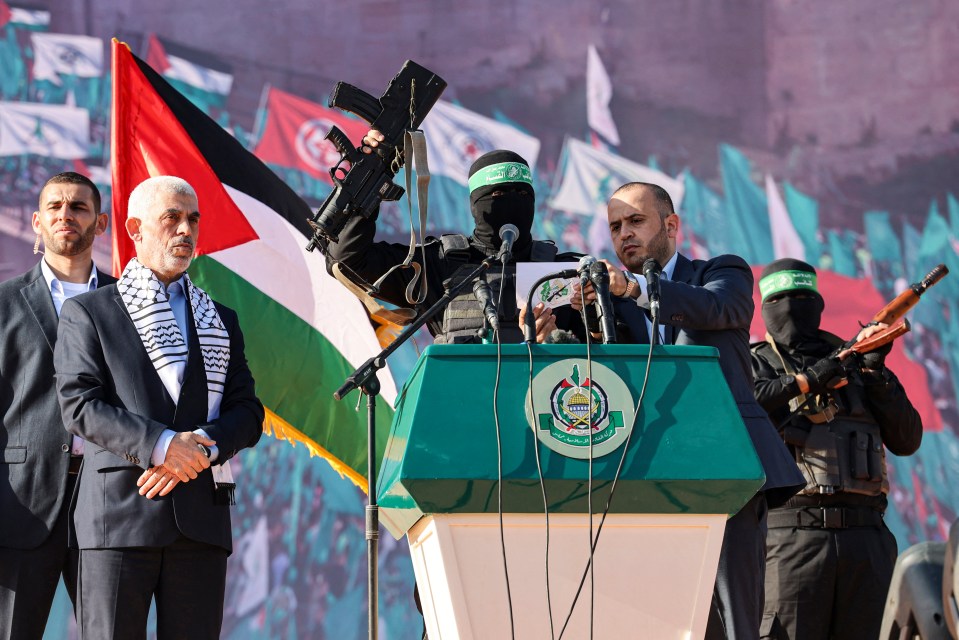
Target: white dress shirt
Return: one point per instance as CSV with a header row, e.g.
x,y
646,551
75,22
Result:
x,y
61,292
643,299
178,301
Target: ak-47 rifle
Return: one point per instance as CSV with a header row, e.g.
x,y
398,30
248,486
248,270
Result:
x,y
892,315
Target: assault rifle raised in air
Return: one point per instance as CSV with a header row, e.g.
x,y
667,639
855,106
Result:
x,y
369,179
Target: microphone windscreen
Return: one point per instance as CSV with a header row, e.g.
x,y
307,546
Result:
x,y
508,228
651,265
561,336
585,262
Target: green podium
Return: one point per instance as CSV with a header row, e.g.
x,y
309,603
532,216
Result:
x,y
689,464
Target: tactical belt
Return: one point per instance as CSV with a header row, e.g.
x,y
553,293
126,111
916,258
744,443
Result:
x,y
824,518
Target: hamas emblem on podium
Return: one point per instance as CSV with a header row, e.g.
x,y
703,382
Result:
x,y
569,408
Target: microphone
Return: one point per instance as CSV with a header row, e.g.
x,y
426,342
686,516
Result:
x,y
652,270
599,276
561,336
529,322
508,233
582,269
485,297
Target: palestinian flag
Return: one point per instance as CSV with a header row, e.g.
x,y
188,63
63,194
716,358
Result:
x,y
202,77
27,17
304,332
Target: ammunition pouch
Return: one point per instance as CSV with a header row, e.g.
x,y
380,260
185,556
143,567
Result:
x,y
463,318
842,456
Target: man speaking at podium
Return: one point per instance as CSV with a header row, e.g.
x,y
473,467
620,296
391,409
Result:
x,y
704,302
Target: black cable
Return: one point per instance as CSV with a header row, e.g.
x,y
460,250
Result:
x,y
542,486
499,456
654,335
589,482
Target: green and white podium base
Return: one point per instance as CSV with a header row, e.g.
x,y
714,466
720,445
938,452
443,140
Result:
x,y
653,575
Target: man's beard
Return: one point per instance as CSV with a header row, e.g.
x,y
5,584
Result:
x,y
70,246
657,248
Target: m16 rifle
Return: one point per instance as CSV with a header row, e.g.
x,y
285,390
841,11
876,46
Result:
x,y
369,179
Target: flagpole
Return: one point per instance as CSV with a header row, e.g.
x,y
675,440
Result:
x,y
364,379
260,123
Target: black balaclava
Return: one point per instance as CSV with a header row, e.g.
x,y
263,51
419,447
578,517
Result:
x,y
792,321
501,171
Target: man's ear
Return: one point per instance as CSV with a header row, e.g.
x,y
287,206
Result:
x,y
672,225
133,228
102,221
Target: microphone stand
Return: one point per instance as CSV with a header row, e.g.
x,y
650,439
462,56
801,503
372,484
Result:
x,y
529,321
364,379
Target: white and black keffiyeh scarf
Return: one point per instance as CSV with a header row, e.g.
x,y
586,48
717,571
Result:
x,y
148,304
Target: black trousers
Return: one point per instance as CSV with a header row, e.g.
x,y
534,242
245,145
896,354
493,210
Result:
x,y
827,583
29,578
737,604
187,579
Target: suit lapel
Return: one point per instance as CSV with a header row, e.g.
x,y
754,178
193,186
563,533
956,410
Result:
x,y
682,272
38,298
630,314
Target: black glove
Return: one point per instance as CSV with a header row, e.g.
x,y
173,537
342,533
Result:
x,y
876,359
824,374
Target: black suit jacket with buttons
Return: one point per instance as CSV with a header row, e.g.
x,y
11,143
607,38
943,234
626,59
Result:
x,y
111,395
35,446
710,302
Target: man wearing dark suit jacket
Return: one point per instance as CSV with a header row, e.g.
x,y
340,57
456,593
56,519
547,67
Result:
x,y
704,302
152,373
40,459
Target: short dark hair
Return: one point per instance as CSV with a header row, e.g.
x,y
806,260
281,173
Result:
x,y
72,177
663,201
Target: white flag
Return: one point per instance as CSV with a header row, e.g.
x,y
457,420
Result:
x,y
786,241
599,91
199,76
455,137
590,176
56,53
44,129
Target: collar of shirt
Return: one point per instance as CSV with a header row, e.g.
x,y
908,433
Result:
x,y
667,274
61,291
54,284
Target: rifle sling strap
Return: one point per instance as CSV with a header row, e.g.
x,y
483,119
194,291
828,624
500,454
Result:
x,y
414,145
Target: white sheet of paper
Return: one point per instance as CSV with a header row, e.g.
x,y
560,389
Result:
x,y
554,293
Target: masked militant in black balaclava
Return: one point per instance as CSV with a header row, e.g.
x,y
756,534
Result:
x,y
508,175
792,319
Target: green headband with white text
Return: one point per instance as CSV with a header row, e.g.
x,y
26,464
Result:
x,y
501,173
787,281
